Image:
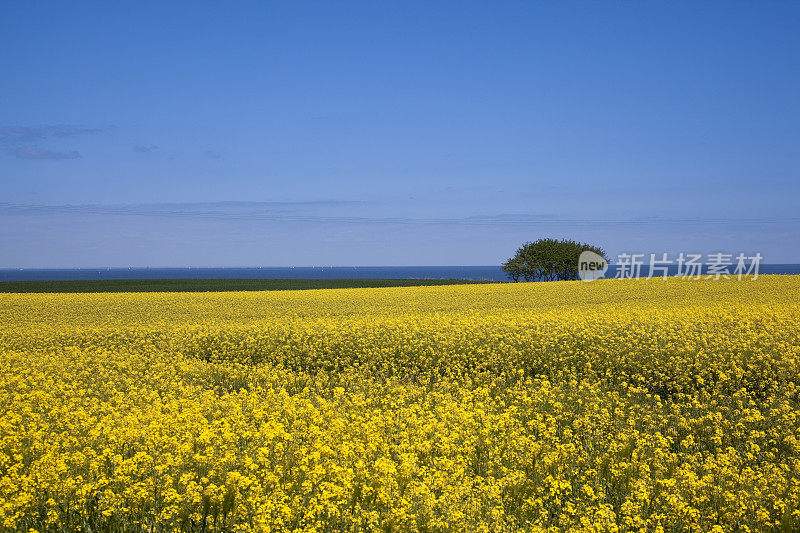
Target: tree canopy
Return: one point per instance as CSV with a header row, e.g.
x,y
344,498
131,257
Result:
x,y
548,260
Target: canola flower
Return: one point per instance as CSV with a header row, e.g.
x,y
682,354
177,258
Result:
x,y
612,406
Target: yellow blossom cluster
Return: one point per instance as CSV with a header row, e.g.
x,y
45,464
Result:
x,y
617,405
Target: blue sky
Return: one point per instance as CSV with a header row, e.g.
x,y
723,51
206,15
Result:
x,y
394,133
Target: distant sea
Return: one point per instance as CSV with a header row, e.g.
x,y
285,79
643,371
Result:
x,y
491,273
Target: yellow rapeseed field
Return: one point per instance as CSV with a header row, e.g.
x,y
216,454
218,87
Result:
x,y
629,405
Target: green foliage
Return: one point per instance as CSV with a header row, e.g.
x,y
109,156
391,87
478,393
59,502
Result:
x,y
548,260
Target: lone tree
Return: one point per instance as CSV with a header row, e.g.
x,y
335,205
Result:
x,y
548,260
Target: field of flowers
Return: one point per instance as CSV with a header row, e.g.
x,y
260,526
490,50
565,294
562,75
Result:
x,y
629,405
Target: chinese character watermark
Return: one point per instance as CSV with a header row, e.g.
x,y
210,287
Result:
x,y
716,266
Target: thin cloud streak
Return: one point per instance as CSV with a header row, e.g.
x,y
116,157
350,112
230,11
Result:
x,y
143,149
36,153
24,134
283,212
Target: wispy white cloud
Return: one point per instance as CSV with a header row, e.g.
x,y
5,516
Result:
x,y
23,142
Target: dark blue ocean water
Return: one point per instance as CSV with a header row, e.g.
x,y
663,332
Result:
x,y
493,273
